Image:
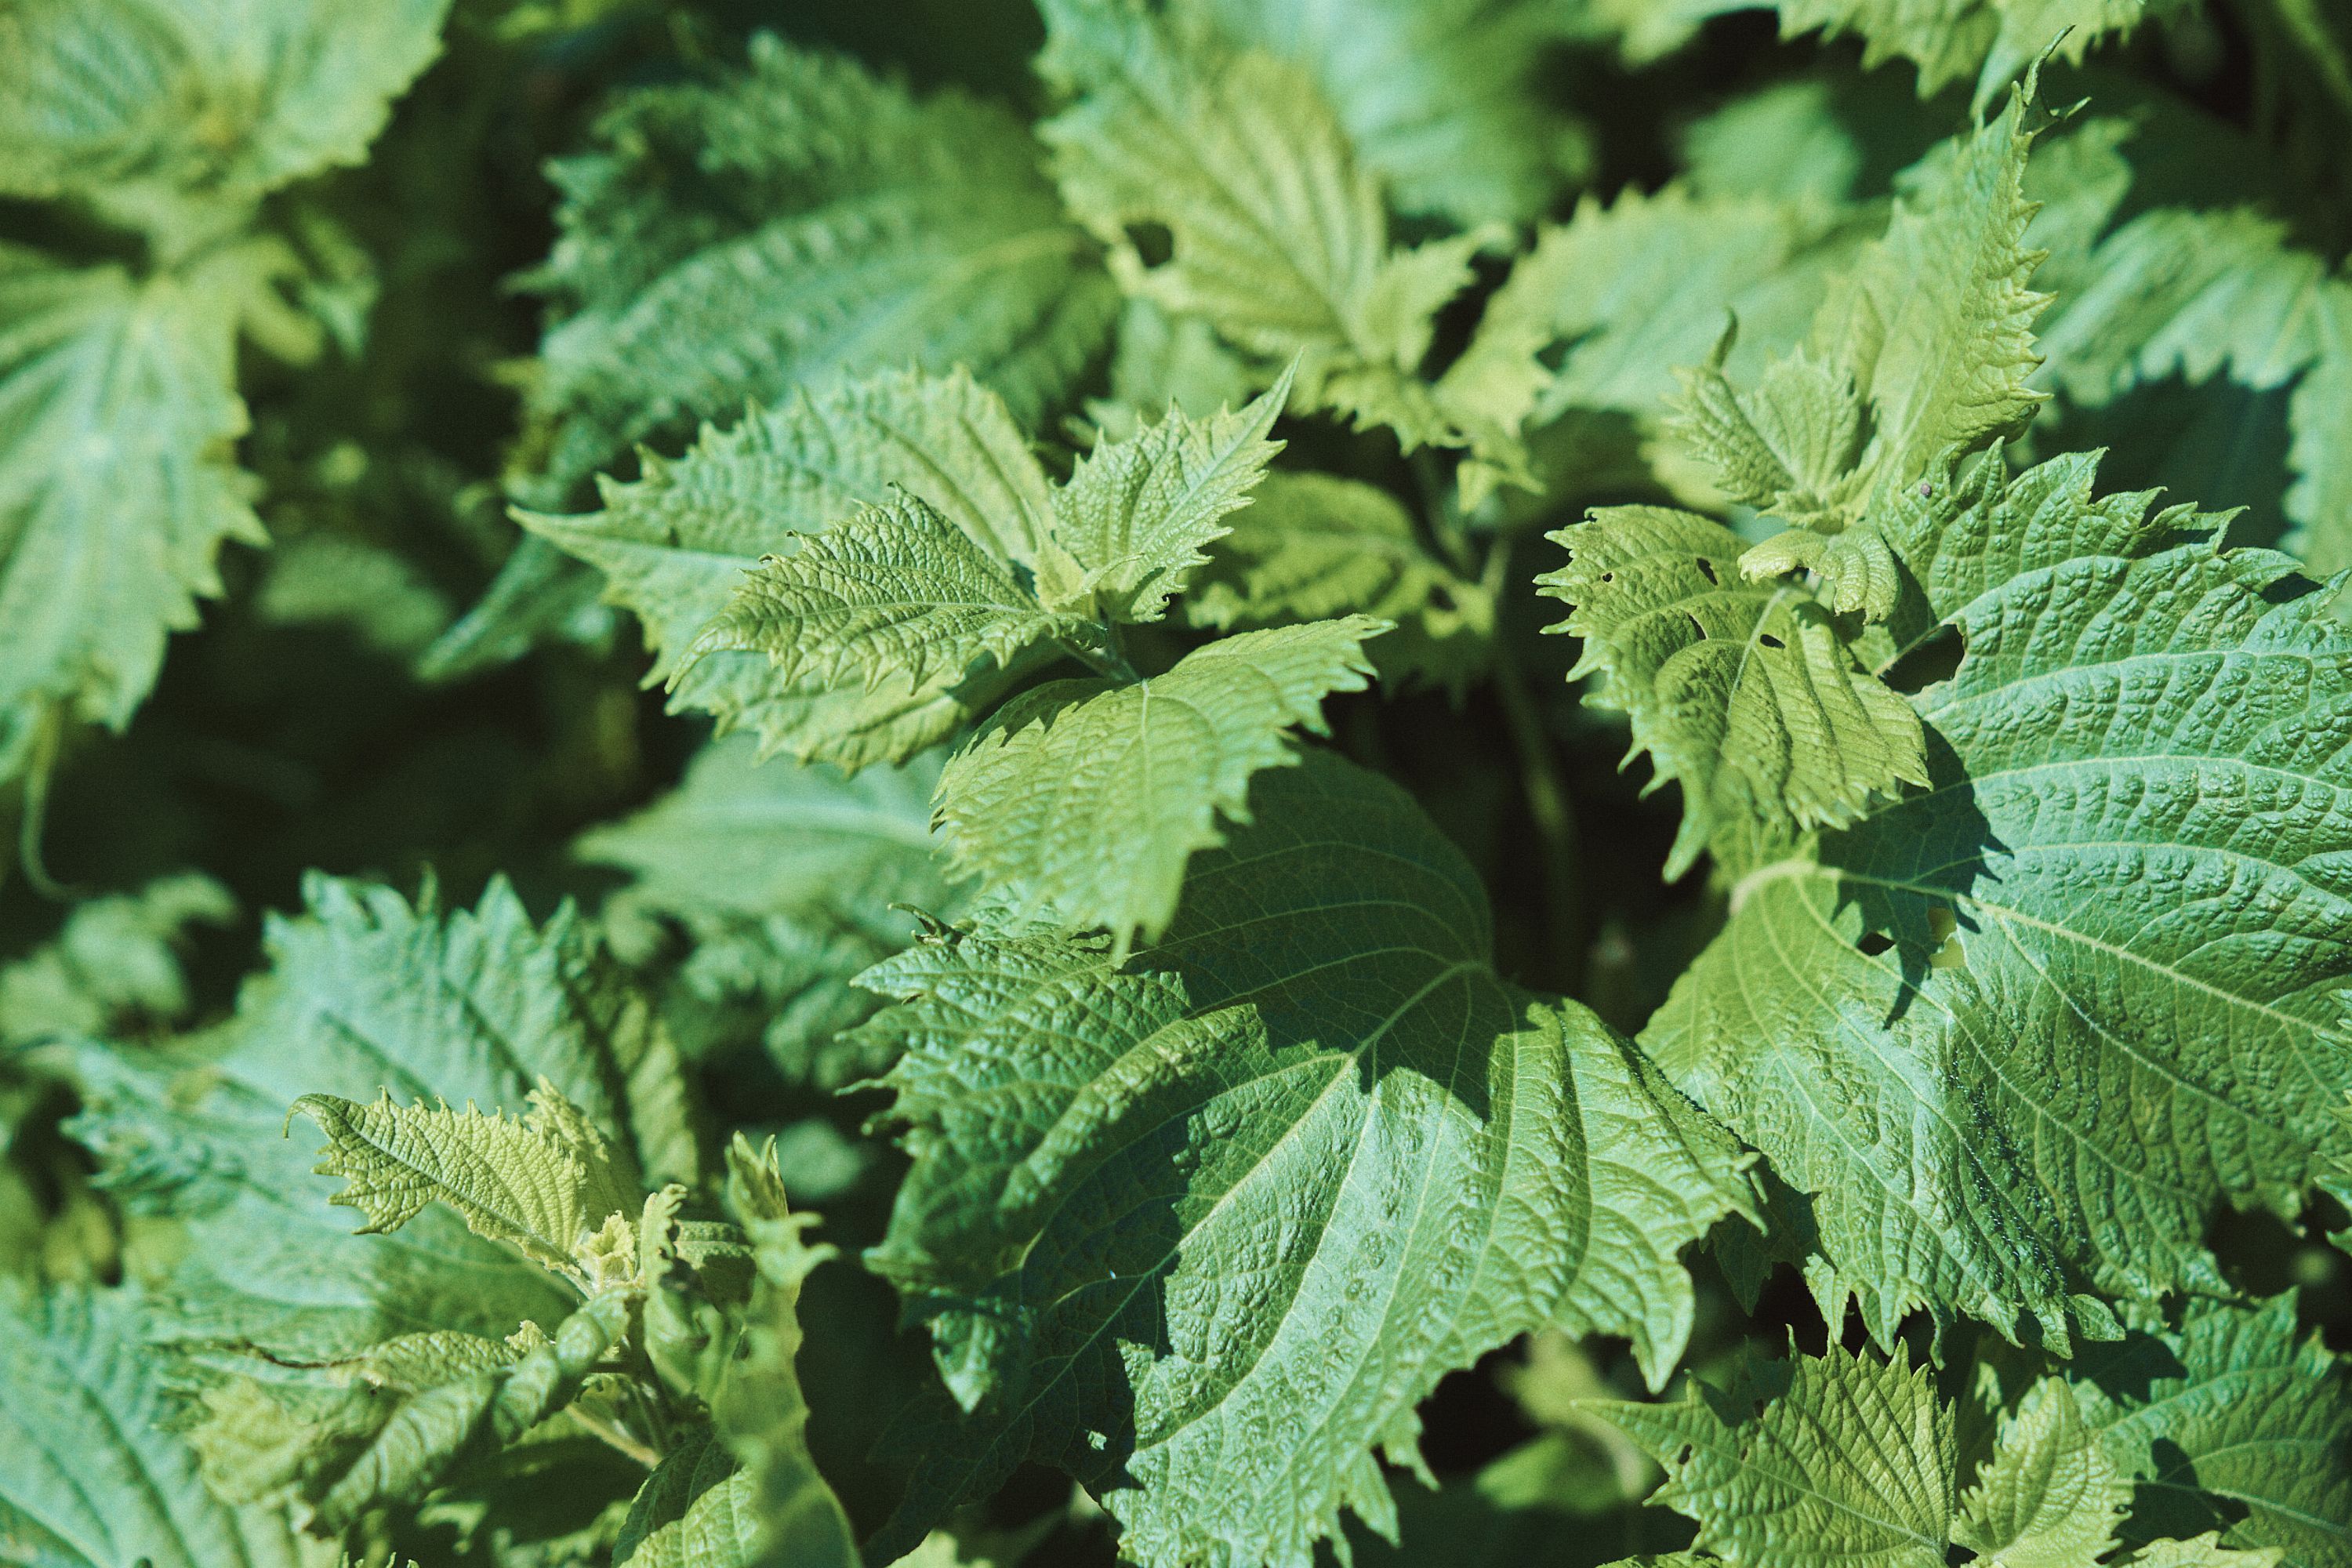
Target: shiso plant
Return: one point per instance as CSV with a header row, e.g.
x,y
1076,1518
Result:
x,y
1213,782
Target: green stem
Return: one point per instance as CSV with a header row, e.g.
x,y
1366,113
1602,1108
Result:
x,y
1550,809
1109,661
1437,505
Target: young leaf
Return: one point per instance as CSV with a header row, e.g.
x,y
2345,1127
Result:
x,y
543,1185
1439,99
1931,333
117,408
739,237
367,996
675,545
1743,693
116,963
1136,514
896,597
91,1474
1206,1227
1313,546
397,1430
2112,996
1277,235
1086,798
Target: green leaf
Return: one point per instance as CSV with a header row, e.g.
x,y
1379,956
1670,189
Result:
x,y
130,102
2234,1420
367,996
1136,512
115,964
1744,693
1204,1228
1086,798
2113,998
1850,1460
1312,546
1439,99
90,1475
1279,237
1952,41
543,1185
2320,501
117,408
897,599
675,545
400,1422
1931,333
736,238
2051,1497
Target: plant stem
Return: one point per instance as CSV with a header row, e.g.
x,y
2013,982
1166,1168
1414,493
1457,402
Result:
x,y
1108,661
1551,811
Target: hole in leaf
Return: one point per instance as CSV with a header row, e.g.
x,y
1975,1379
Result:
x,y
1769,640
1929,663
1609,576
1706,570
1874,943
1441,598
1153,243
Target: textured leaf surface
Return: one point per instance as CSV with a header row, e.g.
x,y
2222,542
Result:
x,y
2233,1421
1204,1228
543,1184
1931,333
88,1476
895,598
675,545
737,239
1850,1459
1088,798
117,408
2050,1496
2114,994
1438,99
367,996
227,98
1279,237
1743,693
1136,512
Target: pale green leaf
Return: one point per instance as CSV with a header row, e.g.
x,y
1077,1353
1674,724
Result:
x,y
367,995
2049,1497
1279,235
1312,546
1439,99
2033,1024
1851,1460
1744,693
2204,1550
129,100
115,964
739,238
1206,1227
376,1430
2321,413
675,545
90,1476
1088,798
895,599
543,1185
1955,40
117,408
1930,332
2235,1420
1136,512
